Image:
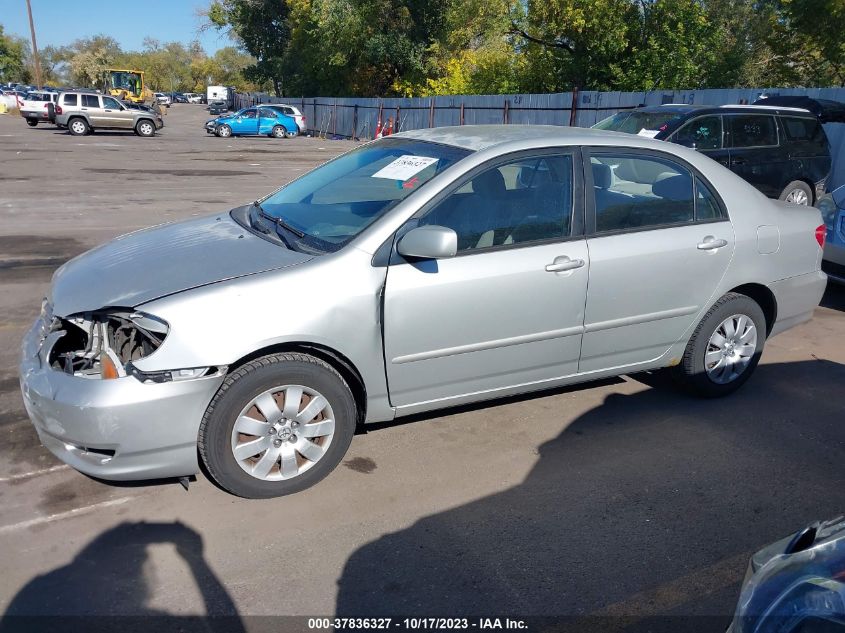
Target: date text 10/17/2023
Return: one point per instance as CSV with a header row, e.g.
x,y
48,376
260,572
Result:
x,y
431,624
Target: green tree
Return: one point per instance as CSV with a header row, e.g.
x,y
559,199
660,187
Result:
x,y
13,58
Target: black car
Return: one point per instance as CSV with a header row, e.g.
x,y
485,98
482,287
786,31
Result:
x,y
179,98
218,107
782,151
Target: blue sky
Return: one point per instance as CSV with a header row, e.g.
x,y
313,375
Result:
x,y
57,24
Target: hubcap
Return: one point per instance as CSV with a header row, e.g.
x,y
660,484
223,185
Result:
x,y
282,432
146,128
798,196
78,127
730,349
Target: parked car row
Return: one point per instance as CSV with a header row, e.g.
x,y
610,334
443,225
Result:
x,y
277,120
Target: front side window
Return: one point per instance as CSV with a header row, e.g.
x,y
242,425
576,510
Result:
x,y
90,101
636,192
248,114
112,103
526,200
329,206
702,133
752,130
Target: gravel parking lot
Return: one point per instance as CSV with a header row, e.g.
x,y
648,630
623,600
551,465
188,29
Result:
x,y
622,499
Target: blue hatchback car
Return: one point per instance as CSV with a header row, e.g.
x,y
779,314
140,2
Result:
x,y
832,207
254,121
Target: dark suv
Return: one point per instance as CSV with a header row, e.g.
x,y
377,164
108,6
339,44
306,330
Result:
x,y
782,151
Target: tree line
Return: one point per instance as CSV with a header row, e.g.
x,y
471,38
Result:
x,y
434,47
168,66
431,47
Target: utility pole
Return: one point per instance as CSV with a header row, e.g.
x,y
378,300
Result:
x,y
34,47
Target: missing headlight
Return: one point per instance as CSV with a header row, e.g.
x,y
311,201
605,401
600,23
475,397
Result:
x,y
102,344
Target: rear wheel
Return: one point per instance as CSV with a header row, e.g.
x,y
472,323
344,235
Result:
x,y
78,126
224,131
278,131
798,192
31,122
725,348
145,127
277,425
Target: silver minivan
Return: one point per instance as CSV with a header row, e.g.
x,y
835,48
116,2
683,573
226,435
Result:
x,y
83,112
425,270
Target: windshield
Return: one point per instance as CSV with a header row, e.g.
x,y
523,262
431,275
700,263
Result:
x,y
335,202
130,82
639,122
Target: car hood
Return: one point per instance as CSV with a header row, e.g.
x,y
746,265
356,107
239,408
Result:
x,y
163,260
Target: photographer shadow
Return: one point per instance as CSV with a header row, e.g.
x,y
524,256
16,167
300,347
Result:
x,y
104,587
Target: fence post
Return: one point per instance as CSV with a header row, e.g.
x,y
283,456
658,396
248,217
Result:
x,y
314,112
354,122
462,112
431,113
574,109
334,119
396,127
506,111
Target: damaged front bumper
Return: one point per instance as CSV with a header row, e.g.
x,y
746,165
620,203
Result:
x,y
119,429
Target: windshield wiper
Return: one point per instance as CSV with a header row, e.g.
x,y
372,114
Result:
x,y
279,222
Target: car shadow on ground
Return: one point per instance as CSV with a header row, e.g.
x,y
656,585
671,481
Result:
x,y
599,534
106,587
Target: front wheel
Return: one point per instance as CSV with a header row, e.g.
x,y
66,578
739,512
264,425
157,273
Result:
x,y
145,128
31,122
278,132
277,425
798,192
224,131
725,348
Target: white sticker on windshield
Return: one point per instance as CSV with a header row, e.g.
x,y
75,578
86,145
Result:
x,y
404,167
648,133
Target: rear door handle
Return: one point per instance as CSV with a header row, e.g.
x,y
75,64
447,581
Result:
x,y
710,243
563,263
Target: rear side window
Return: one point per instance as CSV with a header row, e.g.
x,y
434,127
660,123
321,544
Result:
x,y
70,100
802,129
636,192
706,206
752,130
90,101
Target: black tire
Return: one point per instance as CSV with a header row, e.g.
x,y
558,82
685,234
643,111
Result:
x,y
796,188
145,128
692,374
78,126
32,122
278,131
247,382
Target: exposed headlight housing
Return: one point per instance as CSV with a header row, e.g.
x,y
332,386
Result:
x,y
102,344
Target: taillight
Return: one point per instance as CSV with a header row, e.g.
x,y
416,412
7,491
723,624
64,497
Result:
x,y
821,232
58,109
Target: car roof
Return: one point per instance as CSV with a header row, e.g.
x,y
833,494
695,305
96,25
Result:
x,y
479,137
683,108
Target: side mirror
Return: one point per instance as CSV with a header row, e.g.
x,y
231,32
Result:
x,y
428,242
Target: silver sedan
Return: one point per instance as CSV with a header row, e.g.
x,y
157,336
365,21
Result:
x,y
425,270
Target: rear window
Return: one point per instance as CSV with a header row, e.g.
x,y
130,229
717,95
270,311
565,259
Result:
x,y
70,100
37,96
804,129
752,130
90,101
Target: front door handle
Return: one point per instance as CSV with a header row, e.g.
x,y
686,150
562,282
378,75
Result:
x,y
710,243
563,263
